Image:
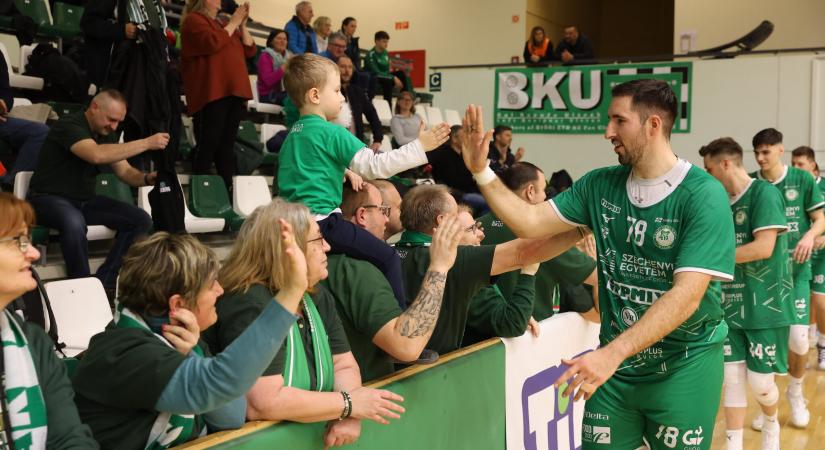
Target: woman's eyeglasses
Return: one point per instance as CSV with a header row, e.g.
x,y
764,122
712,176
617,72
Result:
x,y
23,241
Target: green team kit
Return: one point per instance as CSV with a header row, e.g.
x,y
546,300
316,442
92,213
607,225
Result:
x,y
655,394
801,196
758,304
818,260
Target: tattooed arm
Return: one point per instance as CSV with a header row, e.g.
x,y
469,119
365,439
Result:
x,y
404,337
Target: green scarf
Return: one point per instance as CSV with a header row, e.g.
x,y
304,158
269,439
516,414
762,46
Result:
x,y
414,239
27,409
296,369
169,429
278,60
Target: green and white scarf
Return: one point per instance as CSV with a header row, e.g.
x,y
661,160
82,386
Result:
x,y
26,407
414,239
169,429
278,60
296,369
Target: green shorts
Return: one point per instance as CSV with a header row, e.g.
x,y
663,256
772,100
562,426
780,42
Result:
x,y
763,351
675,412
801,301
818,279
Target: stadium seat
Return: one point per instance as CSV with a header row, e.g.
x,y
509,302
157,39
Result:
x,y
386,144
192,223
38,10
434,115
20,101
248,193
81,310
266,108
452,117
267,131
67,19
20,81
109,185
422,114
247,131
93,232
208,198
383,110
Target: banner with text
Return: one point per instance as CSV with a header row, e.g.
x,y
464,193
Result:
x,y
538,417
574,99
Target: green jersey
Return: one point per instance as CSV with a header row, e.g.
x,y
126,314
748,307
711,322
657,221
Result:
x,y
802,196
759,295
640,250
819,255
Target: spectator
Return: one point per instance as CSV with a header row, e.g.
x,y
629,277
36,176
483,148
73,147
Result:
x,y
337,47
216,82
322,27
317,154
62,189
501,156
490,314
102,30
316,359
43,414
448,168
574,47
538,49
425,208
378,62
348,27
359,104
143,381
377,329
302,37
392,198
405,125
557,280
271,68
24,136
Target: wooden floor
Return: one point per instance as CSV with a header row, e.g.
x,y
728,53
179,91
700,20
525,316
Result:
x,y
813,437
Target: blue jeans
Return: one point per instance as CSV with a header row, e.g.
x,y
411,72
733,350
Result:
x,y
26,138
351,240
70,218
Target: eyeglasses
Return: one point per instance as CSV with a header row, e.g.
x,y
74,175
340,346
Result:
x,y
385,210
472,228
336,45
319,238
23,241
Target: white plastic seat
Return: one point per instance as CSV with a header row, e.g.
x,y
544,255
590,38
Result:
x,y
452,117
382,108
434,115
20,81
93,232
25,52
386,144
248,193
423,115
81,311
256,104
270,129
192,223
20,101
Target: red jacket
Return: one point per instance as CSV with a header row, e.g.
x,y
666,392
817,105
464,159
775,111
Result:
x,y
213,64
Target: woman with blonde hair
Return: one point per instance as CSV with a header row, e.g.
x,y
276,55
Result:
x,y
323,28
33,379
146,382
314,376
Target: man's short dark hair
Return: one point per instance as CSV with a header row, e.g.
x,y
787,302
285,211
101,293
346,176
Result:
x,y
381,35
768,136
454,129
519,175
651,96
500,129
723,147
347,21
804,151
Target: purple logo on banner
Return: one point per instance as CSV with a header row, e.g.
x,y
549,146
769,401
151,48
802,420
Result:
x,y
548,421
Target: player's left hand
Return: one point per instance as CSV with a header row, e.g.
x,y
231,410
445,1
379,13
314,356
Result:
x,y
341,432
803,249
588,372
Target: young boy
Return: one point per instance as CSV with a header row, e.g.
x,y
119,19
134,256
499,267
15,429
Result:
x,y
378,62
316,154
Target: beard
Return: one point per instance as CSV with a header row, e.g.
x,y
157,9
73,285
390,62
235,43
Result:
x,y
633,150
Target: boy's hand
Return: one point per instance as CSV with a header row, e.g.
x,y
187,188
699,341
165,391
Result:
x,y
433,138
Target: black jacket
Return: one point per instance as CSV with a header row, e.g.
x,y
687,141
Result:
x,y
354,52
361,106
101,31
583,49
5,88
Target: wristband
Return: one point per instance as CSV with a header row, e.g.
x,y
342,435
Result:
x,y
347,411
485,177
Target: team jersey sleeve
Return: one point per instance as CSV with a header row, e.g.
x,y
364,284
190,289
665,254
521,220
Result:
x,y
708,243
344,145
813,196
571,205
769,211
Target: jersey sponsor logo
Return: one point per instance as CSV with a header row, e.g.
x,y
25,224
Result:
x,y
664,237
297,128
793,227
601,435
611,207
497,224
740,217
635,294
791,194
728,351
670,436
596,416
606,218
819,279
629,316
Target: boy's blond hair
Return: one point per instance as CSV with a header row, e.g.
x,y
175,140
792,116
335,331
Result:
x,y
304,72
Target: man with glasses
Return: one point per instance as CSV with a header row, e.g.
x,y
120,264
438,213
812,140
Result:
x,y
336,48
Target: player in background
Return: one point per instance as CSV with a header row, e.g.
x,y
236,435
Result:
x,y
757,303
803,210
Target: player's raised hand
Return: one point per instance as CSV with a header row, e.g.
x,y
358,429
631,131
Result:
x,y
475,143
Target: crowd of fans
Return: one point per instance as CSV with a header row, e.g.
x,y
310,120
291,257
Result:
x,y
312,301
